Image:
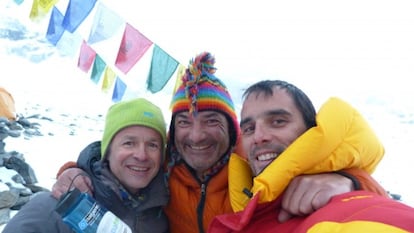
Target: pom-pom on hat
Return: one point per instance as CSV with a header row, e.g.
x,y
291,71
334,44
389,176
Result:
x,y
129,113
200,91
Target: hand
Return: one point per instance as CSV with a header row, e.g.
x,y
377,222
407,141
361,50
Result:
x,y
69,179
307,193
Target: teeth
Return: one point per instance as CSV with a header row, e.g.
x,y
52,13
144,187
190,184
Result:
x,y
199,147
138,169
265,157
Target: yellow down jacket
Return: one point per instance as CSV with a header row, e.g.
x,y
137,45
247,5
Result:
x,y
342,139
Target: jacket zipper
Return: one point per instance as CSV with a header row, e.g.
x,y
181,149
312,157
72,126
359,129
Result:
x,y
200,207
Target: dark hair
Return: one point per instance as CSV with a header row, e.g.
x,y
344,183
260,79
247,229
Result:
x,y
302,101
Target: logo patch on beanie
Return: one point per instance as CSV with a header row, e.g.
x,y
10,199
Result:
x,y
148,114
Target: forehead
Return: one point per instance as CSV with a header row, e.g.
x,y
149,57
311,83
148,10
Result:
x,y
201,114
138,129
257,104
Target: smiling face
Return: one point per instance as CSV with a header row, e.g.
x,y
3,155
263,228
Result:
x,y
135,156
201,140
269,124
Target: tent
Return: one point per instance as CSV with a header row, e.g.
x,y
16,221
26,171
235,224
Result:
x,y
7,108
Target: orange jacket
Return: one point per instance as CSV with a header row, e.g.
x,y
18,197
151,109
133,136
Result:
x,y
186,196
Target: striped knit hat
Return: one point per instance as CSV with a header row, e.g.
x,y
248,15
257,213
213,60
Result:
x,y
200,91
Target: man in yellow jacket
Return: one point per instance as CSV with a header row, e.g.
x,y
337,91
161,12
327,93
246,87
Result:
x,y
282,139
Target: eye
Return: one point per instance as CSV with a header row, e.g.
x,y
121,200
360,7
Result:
x,y
278,122
128,143
247,129
153,145
182,123
212,121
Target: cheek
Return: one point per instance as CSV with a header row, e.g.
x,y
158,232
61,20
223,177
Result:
x,y
114,165
157,158
117,158
178,136
245,142
178,143
223,131
294,133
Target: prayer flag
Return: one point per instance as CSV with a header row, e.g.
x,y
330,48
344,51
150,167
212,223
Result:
x,y
178,80
162,68
108,79
133,47
55,29
86,57
105,24
18,2
98,68
180,74
119,90
40,8
76,12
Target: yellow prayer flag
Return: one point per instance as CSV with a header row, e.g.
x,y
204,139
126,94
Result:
x,y
40,8
108,79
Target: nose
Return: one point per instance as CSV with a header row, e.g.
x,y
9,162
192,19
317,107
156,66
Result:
x,y
197,133
261,134
140,152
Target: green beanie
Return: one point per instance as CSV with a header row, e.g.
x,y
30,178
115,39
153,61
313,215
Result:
x,y
132,112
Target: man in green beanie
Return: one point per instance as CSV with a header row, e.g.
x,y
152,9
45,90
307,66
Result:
x,y
126,179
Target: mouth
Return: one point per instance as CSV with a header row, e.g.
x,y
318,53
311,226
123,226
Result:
x,y
267,156
138,169
198,147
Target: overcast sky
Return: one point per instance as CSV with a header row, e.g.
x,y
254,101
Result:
x,y
343,48
332,45
325,47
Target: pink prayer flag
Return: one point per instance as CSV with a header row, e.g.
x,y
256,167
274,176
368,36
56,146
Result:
x,y
133,47
86,57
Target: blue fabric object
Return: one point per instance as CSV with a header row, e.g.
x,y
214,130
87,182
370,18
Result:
x,y
55,30
76,12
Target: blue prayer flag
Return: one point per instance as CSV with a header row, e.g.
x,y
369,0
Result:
x,y
76,12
